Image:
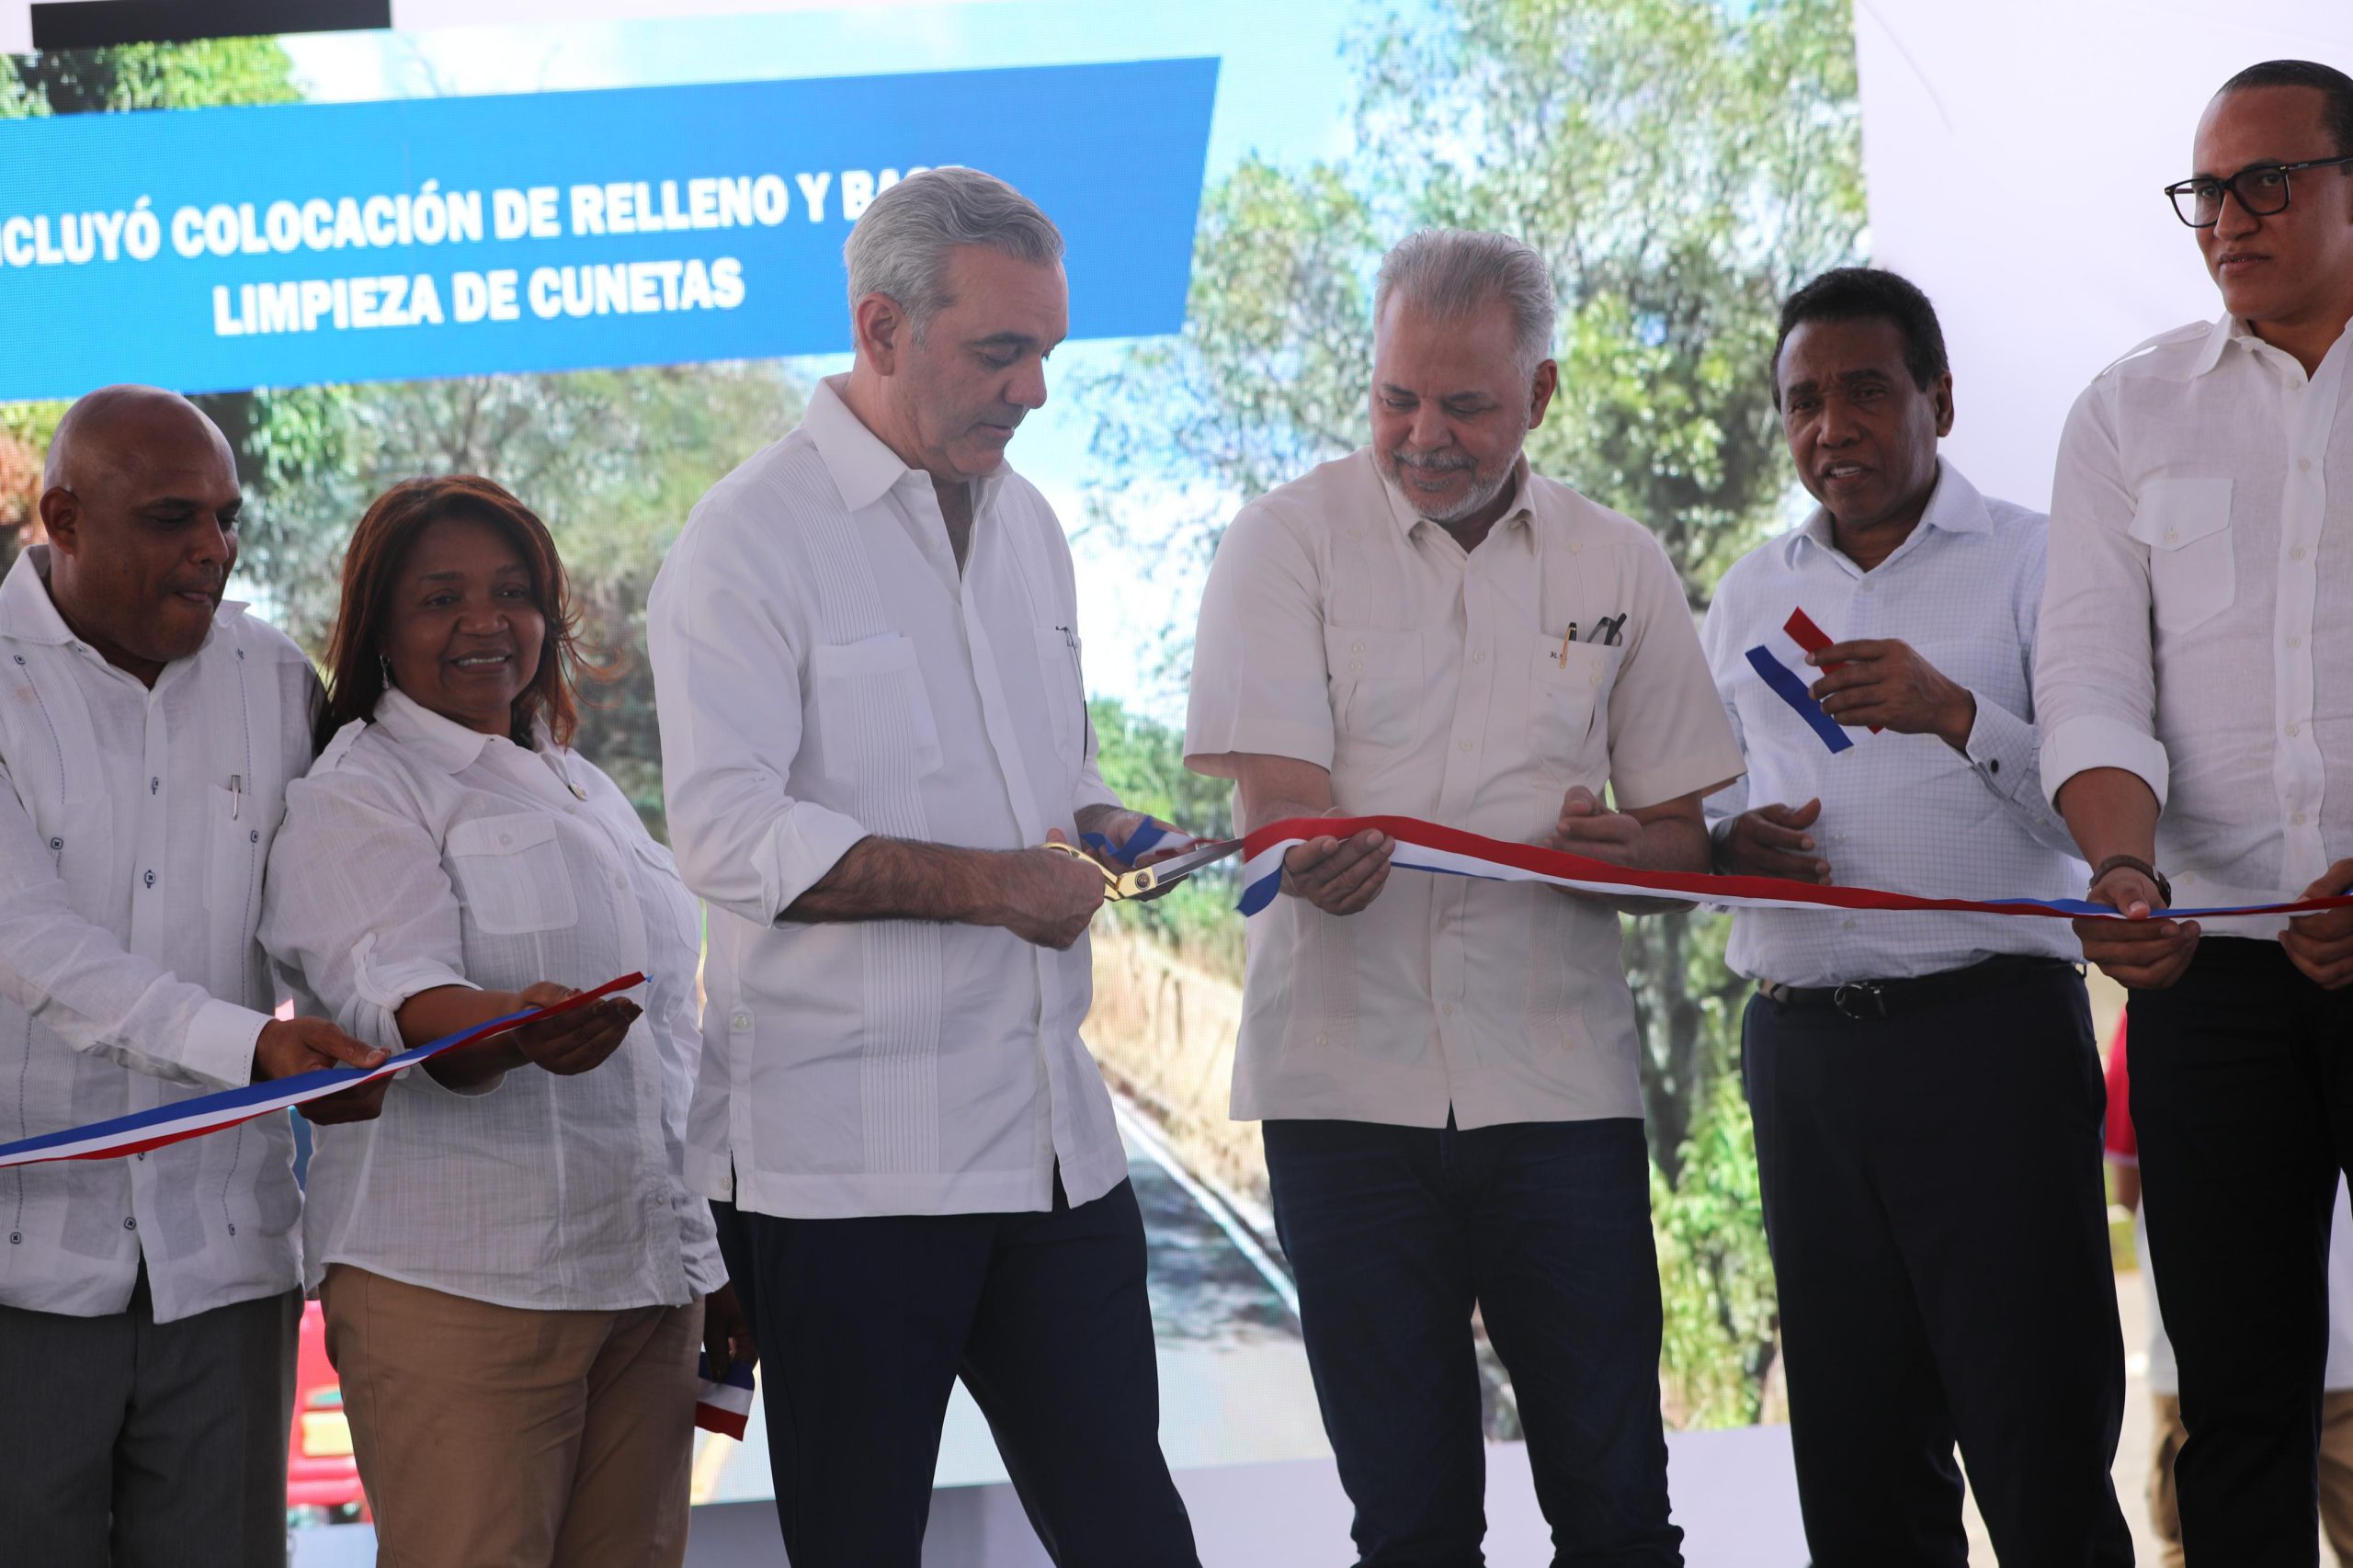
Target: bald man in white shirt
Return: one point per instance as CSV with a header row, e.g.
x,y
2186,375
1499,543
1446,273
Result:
x,y
2195,680
872,714
148,730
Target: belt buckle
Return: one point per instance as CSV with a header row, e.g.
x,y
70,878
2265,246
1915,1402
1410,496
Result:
x,y
1856,994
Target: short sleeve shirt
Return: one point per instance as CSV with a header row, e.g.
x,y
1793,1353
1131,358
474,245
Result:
x,y
1340,629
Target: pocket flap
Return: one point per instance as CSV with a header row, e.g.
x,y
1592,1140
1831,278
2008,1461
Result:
x,y
871,656
2181,510
1373,652
501,835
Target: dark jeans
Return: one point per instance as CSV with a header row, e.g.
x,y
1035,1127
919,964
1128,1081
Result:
x,y
1394,1234
134,1444
2243,1098
1934,1202
865,1324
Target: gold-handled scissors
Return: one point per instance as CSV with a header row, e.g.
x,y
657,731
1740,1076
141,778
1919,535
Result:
x,y
1150,881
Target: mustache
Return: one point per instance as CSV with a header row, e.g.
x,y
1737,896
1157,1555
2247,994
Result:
x,y
1444,461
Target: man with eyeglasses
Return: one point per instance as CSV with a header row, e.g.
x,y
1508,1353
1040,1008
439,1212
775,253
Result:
x,y
2196,683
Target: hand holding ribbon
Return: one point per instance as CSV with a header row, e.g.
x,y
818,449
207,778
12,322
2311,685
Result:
x,y
2322,945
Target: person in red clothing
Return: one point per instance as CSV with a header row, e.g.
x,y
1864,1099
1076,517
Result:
x,y
2123,1150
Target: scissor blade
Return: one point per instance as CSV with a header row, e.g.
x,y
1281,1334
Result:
x,y
1151,881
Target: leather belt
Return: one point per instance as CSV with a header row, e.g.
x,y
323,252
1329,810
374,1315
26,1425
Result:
x,y
1866,1000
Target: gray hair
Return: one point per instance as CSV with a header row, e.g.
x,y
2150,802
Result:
x,y
900,244
1451,272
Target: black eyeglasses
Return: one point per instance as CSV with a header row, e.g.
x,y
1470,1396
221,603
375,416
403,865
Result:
x,y
2261,190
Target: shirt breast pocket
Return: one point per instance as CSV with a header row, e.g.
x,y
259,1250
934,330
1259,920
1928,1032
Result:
x,y
511,874
2186,523
870,712
1376,676
1066,689
1568,696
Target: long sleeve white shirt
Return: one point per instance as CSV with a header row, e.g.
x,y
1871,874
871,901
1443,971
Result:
x,y
1904,812
419,854
134,830
824,672
2193,630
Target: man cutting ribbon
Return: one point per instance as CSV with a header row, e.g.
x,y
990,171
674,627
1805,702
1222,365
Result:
x,y
1446,1066
1927,1133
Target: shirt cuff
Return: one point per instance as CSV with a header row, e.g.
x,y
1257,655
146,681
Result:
x,y
2000,744
1672,780
220,1040
1310,744
374,1013
2094,740
806,844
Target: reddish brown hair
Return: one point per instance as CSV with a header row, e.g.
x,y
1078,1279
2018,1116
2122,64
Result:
x,y
372,566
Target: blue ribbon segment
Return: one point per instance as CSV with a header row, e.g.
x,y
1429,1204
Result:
x,y
1791,690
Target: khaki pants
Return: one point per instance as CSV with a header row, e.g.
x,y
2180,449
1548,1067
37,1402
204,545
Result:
x,y
2336,1474
498,1438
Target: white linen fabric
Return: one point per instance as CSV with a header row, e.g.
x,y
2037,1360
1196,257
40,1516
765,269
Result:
x,y
420,854
2192,632
1340,629
825,673
134,830
1903,813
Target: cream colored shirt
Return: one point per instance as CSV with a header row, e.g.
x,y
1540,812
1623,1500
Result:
x,y
1341,629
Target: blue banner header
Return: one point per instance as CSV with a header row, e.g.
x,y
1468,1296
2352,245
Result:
x,y
218,249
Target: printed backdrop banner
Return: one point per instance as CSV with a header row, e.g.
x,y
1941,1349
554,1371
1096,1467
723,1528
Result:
x,y
218,249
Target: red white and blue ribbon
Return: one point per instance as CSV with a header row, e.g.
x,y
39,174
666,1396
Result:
x,y
194,1118
1446,851
724,1404
1790,686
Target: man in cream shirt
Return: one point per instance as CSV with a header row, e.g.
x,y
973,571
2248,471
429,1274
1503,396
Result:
x,y
1446,1067
872,716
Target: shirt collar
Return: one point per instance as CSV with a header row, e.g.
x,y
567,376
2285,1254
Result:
x,y
864,469
2218,339
447,744
29,615
1955,506
1402,514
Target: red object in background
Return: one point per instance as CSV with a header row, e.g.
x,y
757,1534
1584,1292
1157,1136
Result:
x,y
321,1478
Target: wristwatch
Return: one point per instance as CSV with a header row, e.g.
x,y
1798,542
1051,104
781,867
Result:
x,y
2134,862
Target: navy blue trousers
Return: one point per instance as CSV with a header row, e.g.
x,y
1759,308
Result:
x,y
865,1324
1934,1203
1394,1234
2243,1098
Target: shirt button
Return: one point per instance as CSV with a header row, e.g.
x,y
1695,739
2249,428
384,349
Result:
x,y
129,1224
2303,465
1354,666
1478,658
1994,766
2172,534
1868,585
1357,648
1447,1009
2298,819
1463,745
1577,546
2291,729
1594,679
505,838
1845,925
2295,641
2297,553
1322,1039
740,1021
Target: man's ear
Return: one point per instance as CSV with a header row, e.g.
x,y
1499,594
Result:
x,y
1941,390
1539,392
61,520
878,330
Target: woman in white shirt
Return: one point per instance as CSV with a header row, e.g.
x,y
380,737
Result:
x,y
515,1272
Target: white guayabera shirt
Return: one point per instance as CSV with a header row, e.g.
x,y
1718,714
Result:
x,y
824,674
2194,627
420,854
1904,812
133,831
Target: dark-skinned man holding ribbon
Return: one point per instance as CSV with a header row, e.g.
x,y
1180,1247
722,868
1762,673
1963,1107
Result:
x,y
1446,1066
1925,1088
2197,682
148,730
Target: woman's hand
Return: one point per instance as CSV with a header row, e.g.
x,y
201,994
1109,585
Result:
x,y
575,1042
727,1333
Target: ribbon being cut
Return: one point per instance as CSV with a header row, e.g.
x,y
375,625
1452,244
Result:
x,y
1426,846
209,1113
